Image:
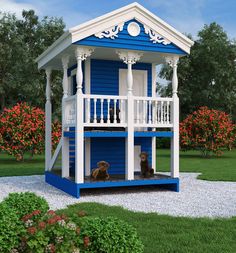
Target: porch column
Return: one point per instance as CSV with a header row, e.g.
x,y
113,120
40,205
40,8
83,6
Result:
x,y
129,58
173,62
48,120
65,141
81,54
154,79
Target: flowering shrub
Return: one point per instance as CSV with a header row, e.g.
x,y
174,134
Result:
x,y
51,233
26,202
208,131
22,130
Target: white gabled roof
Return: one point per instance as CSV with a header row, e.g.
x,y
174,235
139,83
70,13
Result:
x,y
104,22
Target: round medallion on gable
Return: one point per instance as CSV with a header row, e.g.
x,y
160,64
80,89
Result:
x,y
133,29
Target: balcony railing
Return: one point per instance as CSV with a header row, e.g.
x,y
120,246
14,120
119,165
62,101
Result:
x,y
111,111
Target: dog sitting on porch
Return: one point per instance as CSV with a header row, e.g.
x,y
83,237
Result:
x,y
100,173
146,171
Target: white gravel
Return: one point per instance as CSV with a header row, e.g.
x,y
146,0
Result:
x,y
197,198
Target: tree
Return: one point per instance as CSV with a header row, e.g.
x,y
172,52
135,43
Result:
x,y
22,40
207,77
22,129
207,130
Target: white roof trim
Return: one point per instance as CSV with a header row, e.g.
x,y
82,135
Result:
x,y
113,18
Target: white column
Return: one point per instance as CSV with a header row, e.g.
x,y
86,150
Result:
x,y
81,55
173,61
130,58
48,121
65,141
154,77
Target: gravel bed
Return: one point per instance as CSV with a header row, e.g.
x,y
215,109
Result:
x,y
197,198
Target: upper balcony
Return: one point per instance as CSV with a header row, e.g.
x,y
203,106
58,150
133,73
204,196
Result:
x,y
112,111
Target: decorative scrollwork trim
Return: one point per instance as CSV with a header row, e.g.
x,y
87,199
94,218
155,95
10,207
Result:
x,y
155,37
111,32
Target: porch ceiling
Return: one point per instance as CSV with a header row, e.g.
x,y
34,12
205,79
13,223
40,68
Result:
x,y
103,53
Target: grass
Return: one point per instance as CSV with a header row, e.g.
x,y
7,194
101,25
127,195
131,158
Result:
x,y
221,168
166,234
10,167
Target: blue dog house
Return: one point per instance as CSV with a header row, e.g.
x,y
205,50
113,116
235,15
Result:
x,y
110,110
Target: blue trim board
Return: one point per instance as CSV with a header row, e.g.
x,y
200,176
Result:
x,y
89,134
62,184
74,189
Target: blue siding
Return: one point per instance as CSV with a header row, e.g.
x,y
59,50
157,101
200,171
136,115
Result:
x,y
112,150
124,40
74,83
105,76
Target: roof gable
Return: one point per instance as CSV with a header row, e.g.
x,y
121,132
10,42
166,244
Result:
x,y
131,35
158,28
129,12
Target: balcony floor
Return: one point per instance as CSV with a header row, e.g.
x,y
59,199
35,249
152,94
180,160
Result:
x,y
102,133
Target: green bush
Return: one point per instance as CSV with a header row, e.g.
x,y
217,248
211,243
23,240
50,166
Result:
x,y
11,229
110,235
25,203
51,233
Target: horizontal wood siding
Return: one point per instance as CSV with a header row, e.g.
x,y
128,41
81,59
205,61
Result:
x,y
111,150
105,76
124,40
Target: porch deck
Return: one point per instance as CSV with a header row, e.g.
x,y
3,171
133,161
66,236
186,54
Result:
x,y
72,188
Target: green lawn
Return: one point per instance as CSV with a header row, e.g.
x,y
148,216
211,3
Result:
x,y
10,167
221,168
216,168
161,233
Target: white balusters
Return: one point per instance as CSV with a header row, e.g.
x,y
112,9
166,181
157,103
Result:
x,y
138,112
108,111
115,112
168,112
122,111
102,121
149,112
88,110
95,110
102,110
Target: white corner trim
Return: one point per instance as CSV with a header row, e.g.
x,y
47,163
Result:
x,y
110,32
155,37
154,79
87,82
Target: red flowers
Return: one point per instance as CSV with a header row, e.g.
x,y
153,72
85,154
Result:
x,y
42,225
86,241
207,130
31,230
22,130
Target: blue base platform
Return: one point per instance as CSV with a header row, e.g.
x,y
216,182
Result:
x,y
73,189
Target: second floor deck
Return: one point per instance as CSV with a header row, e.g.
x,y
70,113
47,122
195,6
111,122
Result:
x,y
112,111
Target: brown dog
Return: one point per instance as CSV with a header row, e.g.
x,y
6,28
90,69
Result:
x,y
101,173
146,171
